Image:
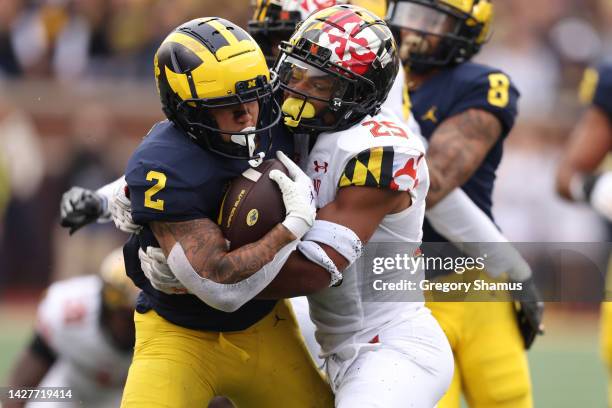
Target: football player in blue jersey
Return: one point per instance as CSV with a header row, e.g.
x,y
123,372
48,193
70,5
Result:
x,y
217,94
584,176
465,111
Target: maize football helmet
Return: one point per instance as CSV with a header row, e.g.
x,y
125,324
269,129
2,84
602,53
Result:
x,y
212,63
436,33
118,289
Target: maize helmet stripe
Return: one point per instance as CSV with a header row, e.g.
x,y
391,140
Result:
x,y
206,38
463,5
222,29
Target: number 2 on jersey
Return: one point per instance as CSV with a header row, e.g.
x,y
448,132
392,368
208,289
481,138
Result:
x,y
157,204
498,91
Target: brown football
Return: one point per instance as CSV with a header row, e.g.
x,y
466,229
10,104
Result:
x,y
252,205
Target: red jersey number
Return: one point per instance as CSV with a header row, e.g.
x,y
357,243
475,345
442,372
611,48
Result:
x,y
385,128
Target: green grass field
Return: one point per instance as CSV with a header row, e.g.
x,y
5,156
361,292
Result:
x,y
565,364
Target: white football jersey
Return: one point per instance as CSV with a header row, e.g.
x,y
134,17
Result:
x,y
378,152
398,102
69,320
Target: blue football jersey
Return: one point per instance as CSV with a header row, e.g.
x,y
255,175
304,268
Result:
x,y
603,91
170,178
454,90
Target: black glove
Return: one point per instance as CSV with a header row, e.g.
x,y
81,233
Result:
x,y
80,207
529,309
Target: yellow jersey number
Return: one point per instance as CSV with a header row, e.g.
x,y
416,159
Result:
x,y
499,90
157,204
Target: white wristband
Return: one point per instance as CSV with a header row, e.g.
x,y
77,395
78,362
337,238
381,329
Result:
x,y
296,225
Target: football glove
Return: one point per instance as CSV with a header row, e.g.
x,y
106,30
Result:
x,y
79,207
298,196
155,267
600,194
529,309
121,210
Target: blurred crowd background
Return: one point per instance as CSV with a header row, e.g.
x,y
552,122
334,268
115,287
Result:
x,y
77,94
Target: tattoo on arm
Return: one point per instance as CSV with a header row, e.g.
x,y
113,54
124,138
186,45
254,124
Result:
x,y
457,148
206,249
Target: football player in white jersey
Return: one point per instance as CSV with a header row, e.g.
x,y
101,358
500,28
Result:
x,y
83,338
371,180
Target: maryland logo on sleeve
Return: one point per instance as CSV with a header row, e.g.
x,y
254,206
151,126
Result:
x,y
382,167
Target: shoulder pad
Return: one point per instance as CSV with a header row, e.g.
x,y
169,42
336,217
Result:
x,y
389,167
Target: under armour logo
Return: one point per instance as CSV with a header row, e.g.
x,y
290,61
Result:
x,y
318,166
337,103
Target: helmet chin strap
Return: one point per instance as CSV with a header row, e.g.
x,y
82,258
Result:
x,y
249,141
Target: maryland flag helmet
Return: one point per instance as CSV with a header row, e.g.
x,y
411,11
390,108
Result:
x,y
210,63
343,58
118,290
436,33
274,21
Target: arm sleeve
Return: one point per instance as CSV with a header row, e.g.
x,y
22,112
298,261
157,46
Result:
x,y
459,220
492,91
226,297
106,192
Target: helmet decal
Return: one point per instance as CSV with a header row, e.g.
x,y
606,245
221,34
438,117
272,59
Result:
x,y
352,46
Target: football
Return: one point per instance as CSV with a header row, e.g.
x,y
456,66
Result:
x,y
252,205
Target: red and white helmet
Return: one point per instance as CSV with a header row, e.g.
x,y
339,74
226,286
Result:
x,y
348,57
274,21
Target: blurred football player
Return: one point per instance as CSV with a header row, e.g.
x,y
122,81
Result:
x,y
217,94
581,175
465,110
83,338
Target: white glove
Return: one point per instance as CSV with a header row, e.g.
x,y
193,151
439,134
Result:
x,y
121,211
298,196
601,195
156,269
